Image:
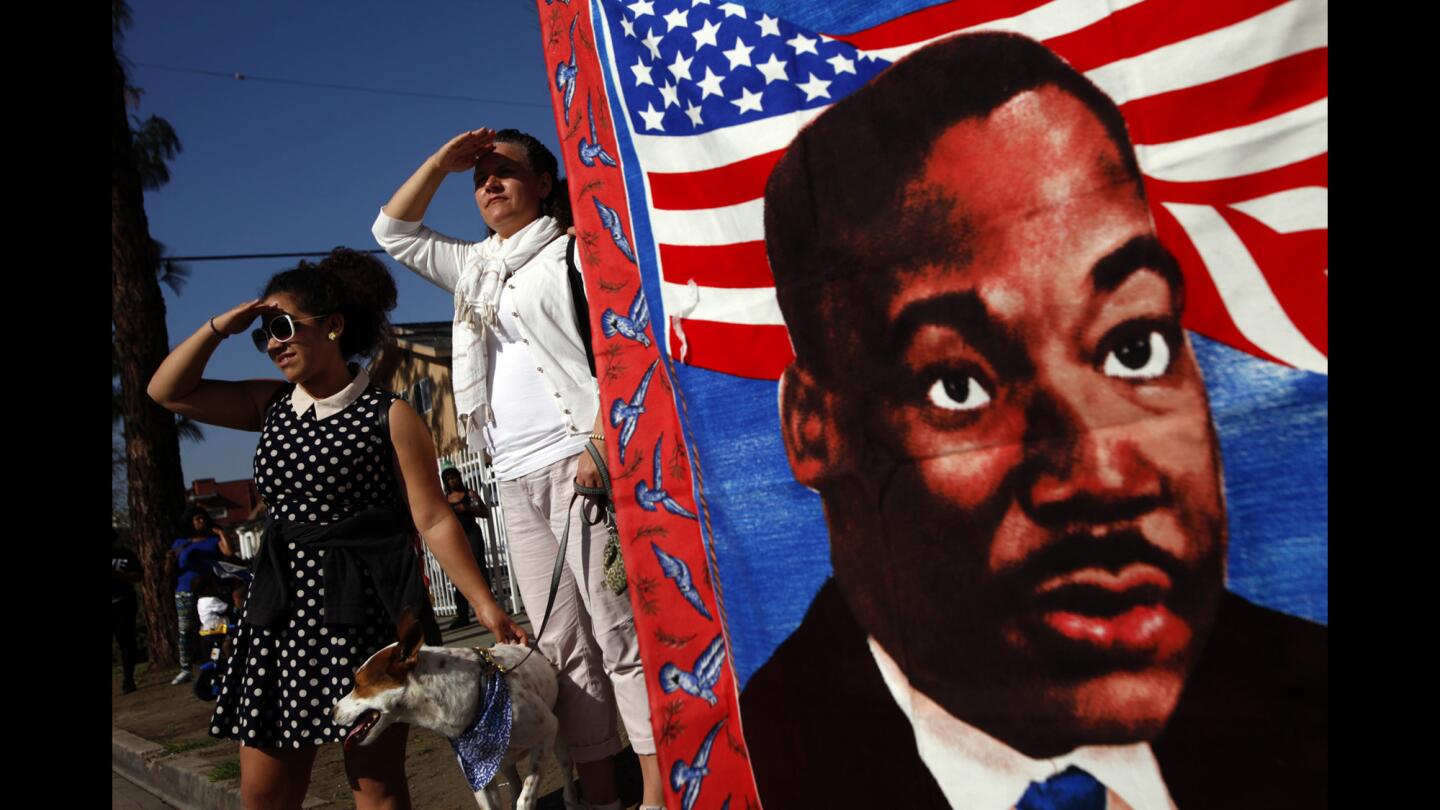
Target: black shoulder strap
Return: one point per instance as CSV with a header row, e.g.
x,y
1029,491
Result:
x,y
582,307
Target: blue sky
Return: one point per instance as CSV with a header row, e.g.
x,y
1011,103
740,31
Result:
x,y
271,167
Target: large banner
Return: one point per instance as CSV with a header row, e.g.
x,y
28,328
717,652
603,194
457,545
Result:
x,y
967,367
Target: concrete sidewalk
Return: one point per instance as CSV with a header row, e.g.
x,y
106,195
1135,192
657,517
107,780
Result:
x,y
160,742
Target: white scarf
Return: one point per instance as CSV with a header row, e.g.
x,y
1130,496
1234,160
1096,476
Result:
x,y
476,297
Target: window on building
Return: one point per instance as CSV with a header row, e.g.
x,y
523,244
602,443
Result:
x,y
421,396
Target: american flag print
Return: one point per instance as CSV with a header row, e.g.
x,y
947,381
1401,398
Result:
x,y
1226,103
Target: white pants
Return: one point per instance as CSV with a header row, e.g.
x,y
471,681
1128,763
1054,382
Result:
x,y
591,632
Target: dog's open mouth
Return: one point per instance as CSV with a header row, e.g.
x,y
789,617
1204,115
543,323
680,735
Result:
x,y
361,729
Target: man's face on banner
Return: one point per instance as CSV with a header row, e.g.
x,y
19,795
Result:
x,y
1022,479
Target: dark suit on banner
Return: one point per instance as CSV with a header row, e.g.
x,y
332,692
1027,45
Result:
x,y
1251,729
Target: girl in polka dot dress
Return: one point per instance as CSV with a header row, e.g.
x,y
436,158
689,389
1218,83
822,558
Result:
x,y
335,567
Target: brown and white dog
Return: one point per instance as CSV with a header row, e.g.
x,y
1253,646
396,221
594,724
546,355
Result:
x,y
441,688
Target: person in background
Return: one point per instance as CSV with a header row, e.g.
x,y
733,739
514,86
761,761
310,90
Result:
x,y
124,572
468,508
201,544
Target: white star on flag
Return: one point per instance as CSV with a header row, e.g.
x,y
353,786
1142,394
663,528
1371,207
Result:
x,y
653,117
739,55
815,88
706,34
841,64
802,44
652,41
747,101
769,26
642,7
733,10
693,110
628,25
671,94
677,19
709,86
642,72
681,67
774,70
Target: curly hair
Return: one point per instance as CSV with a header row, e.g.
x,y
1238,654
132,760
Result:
x,y
349,282
542,161
187,526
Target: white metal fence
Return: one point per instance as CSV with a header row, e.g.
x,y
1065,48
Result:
x,y
480,477
249,536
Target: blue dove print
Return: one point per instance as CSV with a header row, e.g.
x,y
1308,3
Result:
x,y
631,326
702,680
629,413
650,496
676,569
685,777
591,150
565,72
611,221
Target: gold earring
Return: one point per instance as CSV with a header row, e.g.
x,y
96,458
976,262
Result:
x,y
331,335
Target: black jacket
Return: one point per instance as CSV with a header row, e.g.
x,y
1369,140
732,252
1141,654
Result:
x,y
1250,731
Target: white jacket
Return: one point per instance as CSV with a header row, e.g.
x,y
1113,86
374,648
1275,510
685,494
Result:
x,y
540,296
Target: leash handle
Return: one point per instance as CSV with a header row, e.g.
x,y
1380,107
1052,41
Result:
x,y
591,511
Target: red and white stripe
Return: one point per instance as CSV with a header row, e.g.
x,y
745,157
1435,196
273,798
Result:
x,y
1227,105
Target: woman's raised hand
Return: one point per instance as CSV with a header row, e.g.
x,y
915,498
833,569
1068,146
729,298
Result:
x,y
239,319
463,150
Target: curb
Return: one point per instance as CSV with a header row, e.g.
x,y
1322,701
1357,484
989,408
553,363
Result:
x,y
176,778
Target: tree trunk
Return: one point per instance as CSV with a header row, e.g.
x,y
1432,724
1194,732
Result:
x,y
152,448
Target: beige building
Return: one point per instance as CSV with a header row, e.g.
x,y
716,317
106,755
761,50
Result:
x,y
417,367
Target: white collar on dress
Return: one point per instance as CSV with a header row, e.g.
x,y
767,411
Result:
x,y
301,400
975,770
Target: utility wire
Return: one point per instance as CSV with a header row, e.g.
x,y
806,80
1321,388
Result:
x,y
254,256
252,78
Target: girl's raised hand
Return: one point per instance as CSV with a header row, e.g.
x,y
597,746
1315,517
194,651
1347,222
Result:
x,y
237,320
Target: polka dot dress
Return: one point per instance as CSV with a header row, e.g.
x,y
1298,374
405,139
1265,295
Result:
x,y
282,681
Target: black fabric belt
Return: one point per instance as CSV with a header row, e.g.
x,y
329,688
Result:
x,y
377,538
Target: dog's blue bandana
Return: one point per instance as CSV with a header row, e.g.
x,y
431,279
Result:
x,y
482,745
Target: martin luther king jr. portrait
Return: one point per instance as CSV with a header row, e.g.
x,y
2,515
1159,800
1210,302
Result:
x,y
995,399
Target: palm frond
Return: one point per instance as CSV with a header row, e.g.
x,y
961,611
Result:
x,y
120,19
188,429
170,272
155,144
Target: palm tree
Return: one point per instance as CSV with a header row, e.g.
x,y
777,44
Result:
x,y
154,487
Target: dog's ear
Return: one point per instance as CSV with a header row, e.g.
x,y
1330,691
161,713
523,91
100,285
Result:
x,y
410,635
